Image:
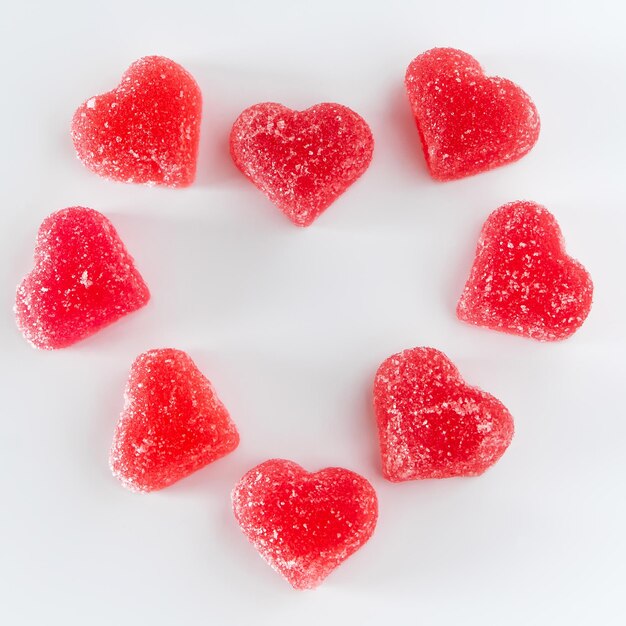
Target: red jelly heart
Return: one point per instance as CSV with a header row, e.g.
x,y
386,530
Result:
x,y
301,160
431,424
146,130
84,279
172,424
522,281
304,524
468,122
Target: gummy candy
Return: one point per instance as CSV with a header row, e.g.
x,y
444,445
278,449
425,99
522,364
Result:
x,y
83,280
468,122
304,524
302,160
172,423
146,130
431,424
522,281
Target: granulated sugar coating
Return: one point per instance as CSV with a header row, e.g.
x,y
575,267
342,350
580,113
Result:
x,y
522,281
468,122
304,524
146,130
172,423
431,424
302,160
83,280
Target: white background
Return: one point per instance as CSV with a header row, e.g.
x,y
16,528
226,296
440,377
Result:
x,y
291,324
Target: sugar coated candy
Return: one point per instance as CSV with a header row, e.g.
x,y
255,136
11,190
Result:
x,y
523,282
304,524
468,122
301,160
172,423
431,424
146,130
83,280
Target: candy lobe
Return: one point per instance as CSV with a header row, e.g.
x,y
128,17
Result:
x,y
172,424
146,130
431,424
301,160
304,524
468,122
83,280
522,281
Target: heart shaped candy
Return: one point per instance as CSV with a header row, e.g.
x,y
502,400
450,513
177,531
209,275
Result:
x,y
431,424
468,122
522,281
304,524
172,423
83,280
301,160
146,130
